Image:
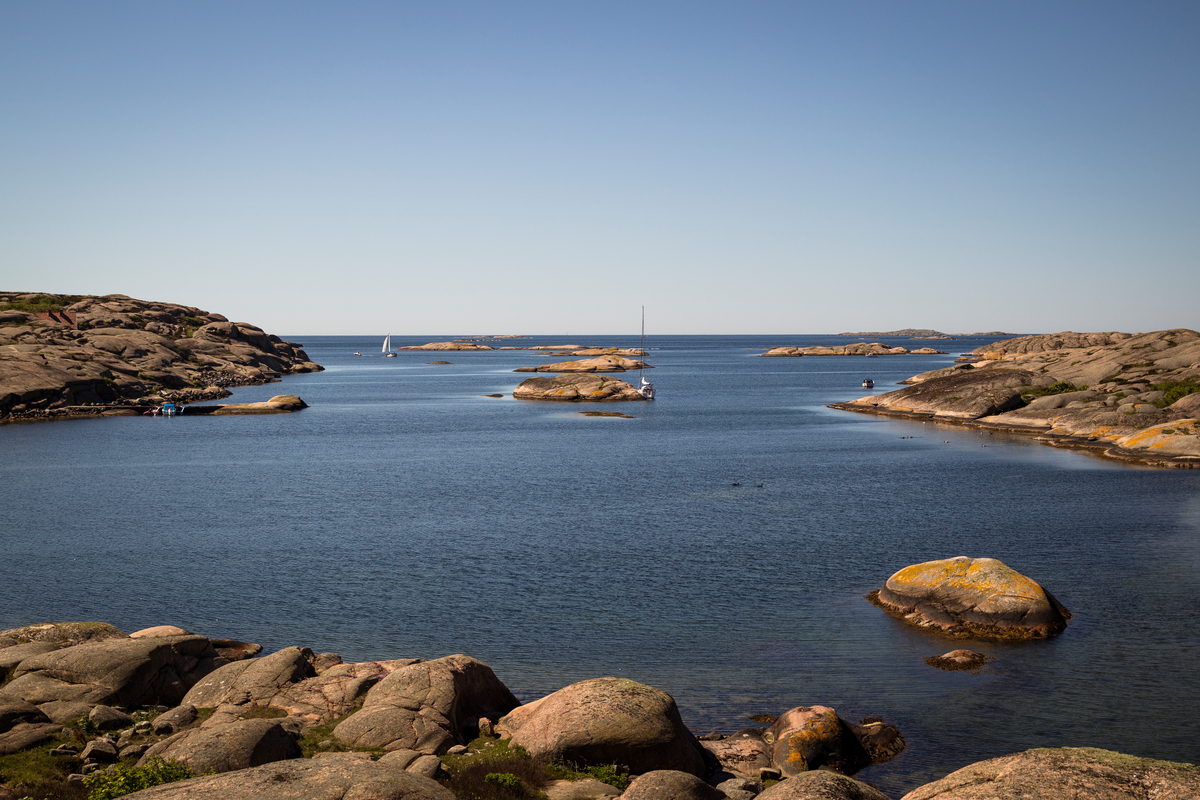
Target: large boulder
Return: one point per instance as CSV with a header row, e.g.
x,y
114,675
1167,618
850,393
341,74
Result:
x,y
237,745
427,706
980,597
119,672
576,387
669,784
812,737
821,785
607,721
1050,774
340,776
746,753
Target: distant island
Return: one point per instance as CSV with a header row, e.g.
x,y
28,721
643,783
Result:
x,y
926,333
81,355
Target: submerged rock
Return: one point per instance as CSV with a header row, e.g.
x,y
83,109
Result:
x,y
973,597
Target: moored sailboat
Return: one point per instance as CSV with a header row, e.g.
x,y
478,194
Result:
x,y
646,389
387,347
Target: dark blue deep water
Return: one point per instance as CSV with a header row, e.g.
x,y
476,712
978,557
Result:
x,y
406,514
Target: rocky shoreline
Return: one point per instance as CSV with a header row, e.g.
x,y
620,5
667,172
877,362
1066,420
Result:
x,y
95,700
80,356
1129,397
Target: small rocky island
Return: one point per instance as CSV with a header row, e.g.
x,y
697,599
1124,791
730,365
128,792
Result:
x,y
213,717
857,349
73,355
1134,397
575,388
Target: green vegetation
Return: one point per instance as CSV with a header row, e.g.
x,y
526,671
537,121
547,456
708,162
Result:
x,y
37,775
41,303
498,770
1058,387
1175,390
321,740
607,773
120,780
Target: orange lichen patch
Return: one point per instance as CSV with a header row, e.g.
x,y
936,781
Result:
x,y
985,575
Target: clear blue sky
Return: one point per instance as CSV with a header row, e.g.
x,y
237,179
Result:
x,y
549,168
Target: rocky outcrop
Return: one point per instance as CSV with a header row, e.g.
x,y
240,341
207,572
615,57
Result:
x,y
806,738
607,721
98,353
446,346
1133,397
303,685
605,363
857,349
973,597
574,388
121,672
345,776
427,706
1050,774
62,633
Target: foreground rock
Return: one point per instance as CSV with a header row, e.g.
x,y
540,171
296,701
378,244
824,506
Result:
x,y
980,597
857,349
429,706
340,776
605,363
575,388
607,721
822,785
1133,397
1051,774
233,746
63,355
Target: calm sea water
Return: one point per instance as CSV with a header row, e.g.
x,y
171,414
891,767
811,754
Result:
x,y
406,514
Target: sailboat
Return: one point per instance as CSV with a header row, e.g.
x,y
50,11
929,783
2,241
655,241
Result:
x,y
387,347
646,389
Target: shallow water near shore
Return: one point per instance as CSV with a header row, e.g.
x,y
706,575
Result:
x,y
717,546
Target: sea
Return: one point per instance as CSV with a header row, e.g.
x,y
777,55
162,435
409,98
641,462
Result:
x,y
716,543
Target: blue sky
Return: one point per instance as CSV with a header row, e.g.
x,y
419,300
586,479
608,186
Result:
x,y
549,168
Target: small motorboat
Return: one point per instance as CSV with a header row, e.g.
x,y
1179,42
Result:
x,y
357,353
868,384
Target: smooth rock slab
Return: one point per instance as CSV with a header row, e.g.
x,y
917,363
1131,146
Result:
x,y
1068,772
973,597
342,776
236,746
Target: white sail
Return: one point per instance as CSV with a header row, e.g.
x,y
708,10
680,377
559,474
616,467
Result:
x,y
387,343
